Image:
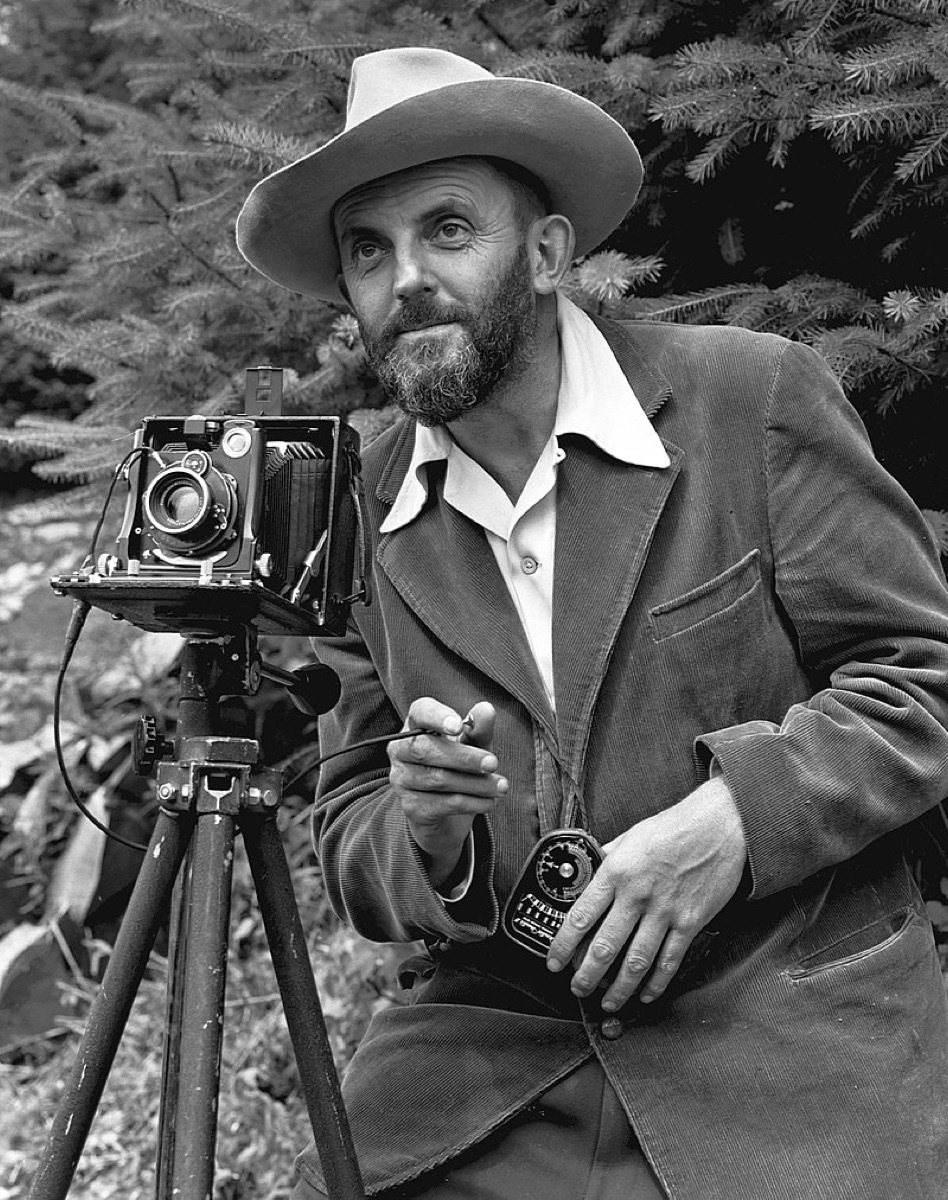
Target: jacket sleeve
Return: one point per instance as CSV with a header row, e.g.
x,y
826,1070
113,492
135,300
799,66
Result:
x,y
859,579
373,871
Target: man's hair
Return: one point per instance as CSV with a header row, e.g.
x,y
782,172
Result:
x,y
531,199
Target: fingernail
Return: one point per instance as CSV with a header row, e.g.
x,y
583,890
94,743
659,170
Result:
x,y
489,764
452,726
609,1006
503,787
555,964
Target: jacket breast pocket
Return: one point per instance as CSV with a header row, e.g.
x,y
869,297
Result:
x,y
717,598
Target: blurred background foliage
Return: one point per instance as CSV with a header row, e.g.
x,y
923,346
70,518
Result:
x,y
795,155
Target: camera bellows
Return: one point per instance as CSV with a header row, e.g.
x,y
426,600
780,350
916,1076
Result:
x,y
295,505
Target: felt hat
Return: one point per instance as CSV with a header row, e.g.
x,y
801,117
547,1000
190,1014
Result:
x,y
415,105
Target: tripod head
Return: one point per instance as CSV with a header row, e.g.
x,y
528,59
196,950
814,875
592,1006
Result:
x,y
235,669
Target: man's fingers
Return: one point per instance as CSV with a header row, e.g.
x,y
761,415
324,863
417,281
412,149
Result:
x,y
416,777
445,740
432,716
654,948
666,966
582,917
604,952
426,750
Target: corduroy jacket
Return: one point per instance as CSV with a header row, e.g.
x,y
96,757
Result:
x,y
773,600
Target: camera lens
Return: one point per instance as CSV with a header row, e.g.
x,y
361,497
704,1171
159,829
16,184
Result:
x,y
182,503
189,512
177,501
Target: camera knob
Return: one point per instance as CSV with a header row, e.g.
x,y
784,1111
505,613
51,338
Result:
x,y
148,746
108,564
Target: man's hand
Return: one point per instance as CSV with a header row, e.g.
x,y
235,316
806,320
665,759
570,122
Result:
x,y
444,778
660,883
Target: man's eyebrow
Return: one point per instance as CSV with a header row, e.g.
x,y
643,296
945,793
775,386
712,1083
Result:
x,y
350,233
448,207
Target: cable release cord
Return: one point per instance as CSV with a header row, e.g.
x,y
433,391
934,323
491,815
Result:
x,y
80,611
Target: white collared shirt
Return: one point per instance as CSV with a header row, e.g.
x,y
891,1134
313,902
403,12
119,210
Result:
x,y
596,401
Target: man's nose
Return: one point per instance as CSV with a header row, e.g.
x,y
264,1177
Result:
x,y
412,275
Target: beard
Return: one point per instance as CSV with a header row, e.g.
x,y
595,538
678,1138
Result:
x,y
436,380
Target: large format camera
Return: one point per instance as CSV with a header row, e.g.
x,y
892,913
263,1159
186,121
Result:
x,y
252,519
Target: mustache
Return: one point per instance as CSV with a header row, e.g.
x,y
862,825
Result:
x,y
419,314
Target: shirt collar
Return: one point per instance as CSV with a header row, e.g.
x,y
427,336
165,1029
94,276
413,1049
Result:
x,y
595,400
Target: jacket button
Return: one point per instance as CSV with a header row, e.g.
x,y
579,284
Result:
x,y
612,1029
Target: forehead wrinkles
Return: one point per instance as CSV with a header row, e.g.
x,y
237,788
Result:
x,y
413,192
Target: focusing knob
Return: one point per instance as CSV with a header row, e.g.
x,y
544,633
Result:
x,y
317,689
148,746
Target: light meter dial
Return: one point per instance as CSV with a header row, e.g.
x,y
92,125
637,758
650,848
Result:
x,y
564,869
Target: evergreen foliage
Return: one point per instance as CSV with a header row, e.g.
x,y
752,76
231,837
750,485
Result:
x,y
795,182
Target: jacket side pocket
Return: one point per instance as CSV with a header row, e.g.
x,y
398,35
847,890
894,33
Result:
x,y
873,938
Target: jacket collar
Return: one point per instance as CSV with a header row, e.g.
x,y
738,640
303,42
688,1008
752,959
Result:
x,y
595,401
650,386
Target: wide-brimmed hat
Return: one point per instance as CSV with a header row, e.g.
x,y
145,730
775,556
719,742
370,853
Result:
x,y
414,105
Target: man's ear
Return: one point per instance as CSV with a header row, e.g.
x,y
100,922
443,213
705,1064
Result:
x,y
550,245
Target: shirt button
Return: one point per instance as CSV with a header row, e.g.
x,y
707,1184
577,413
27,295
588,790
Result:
x,y
528,565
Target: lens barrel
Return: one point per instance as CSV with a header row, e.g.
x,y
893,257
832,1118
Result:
x,y
190,506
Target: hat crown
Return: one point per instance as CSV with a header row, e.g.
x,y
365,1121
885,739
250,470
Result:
x,y
387,77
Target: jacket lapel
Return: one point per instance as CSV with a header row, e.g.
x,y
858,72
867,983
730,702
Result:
x,y
607,513
445,572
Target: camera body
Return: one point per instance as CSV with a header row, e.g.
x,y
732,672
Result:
x,y
236,519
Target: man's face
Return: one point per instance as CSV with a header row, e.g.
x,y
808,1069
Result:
x,y
435,266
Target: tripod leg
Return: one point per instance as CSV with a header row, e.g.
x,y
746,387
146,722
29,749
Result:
x,y
304,1015
207,897
111,1007
175,1014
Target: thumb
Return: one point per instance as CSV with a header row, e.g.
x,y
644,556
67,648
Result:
x,y
481,733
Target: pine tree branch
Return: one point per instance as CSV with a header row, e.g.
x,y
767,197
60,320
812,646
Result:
x,y
187,247
492,29
815,31
871,116
925,158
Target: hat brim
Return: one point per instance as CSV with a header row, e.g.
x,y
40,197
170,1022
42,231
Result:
x,y
586,161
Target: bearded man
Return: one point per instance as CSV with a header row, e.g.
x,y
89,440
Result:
x,y
641,588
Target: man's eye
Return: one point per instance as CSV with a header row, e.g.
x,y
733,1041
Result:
x,y
452,231
364,251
